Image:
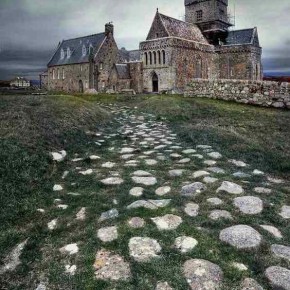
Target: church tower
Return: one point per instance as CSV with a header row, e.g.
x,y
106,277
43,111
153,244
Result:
x,y
211,16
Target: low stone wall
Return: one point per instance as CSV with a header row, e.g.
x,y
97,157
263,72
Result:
x,y
261,93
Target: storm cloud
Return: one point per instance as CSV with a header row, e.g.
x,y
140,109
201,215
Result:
x,y
31,29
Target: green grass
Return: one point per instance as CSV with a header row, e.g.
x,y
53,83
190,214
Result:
x,y
31,127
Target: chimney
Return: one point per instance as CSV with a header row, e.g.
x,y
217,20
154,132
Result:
x,y
109,28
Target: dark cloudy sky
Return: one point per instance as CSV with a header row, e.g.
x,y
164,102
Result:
x,y
31,29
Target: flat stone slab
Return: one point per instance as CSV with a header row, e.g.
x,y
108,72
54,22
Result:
x,y
241,237
231,187
108,234
241,175
193,189
185,244
176,172
281,251
250,284
215,155
249,205
108,165
112,181
144,249
238,163
163,190
163,286
136,223
147,181
136,191
87,172
258,172
184,161
70,249
200,173
263,190
110,214
191,209
111,267
127,150
215,201
220,214
272,230
142,173
216,170
202,275
285,212
210,180
52,224
149,204
57,187
167,222
189,151
210,162
279,277
150,162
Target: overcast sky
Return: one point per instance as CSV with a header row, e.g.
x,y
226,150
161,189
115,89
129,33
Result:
x,y
31,29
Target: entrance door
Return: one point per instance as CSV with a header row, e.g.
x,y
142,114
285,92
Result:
x,y
155,85
81,86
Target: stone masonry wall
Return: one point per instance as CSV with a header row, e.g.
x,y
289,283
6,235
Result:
x,y
261,93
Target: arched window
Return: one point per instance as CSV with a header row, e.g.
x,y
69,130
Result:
x,y
68,52
62,54
58,74
63,74
53,74
146,58
159,56
150,57
84,50
163,57
154,57
91,49
198,69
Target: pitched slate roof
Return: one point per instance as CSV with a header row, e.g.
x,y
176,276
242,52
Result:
x,y
129,55
244,36
76,46
181,29
123,71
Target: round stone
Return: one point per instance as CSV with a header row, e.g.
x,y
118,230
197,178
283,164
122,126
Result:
x,y
57,187
70,249
279,277
250,284
144,249
163,190
147,181
176,172
272,230
149,204
136,191
189,151
142,173
136,223
81,215
220,214
202,274
208,179
191,209
281,251
239,266
263,190
215,155
210,162
238,163
108,165
185,244
285,212
167,222
184,160
108,234
215,201
241,237
111,267
193,189
230,187
200,173
216,170
112,181
249,205
150,162
127,150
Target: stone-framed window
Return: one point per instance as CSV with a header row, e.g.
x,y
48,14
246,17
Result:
x,y
53,74
81,67
58,74
84,50
150,57
68,52
63,74
163,56
199,15
159,56
146,58
62,53
154,57
101,66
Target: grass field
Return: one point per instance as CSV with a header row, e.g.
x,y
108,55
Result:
x,y
33,126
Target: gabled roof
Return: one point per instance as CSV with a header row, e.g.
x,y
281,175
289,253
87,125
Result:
x,y
123,71
243,36
76,47
129,55
181,29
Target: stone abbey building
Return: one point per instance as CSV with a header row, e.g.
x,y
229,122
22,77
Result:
x,y
174,53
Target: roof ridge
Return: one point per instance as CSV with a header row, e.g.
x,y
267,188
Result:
x,y
95,34
178,20
242,29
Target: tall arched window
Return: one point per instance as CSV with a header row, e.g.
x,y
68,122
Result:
x,y
159,57
68,52
63,74
58,74
62,54
150,57
163,57
146,58
84,50
198,70
154,56
53,74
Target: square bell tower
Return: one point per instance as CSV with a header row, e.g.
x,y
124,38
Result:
x,y
211,16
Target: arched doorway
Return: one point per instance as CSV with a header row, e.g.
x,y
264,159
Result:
x,y
81,86
155,85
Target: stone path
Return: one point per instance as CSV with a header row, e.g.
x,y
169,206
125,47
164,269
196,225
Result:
x,y
188,194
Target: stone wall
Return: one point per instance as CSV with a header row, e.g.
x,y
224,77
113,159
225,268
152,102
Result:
x,y
261,93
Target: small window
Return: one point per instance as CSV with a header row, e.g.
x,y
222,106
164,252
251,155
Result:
x,y
91,49
62,54
164,56
53,74
84,50
68,52
63,74
103,84
81,67
199,15
157,35
58,74
101,65
222,12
